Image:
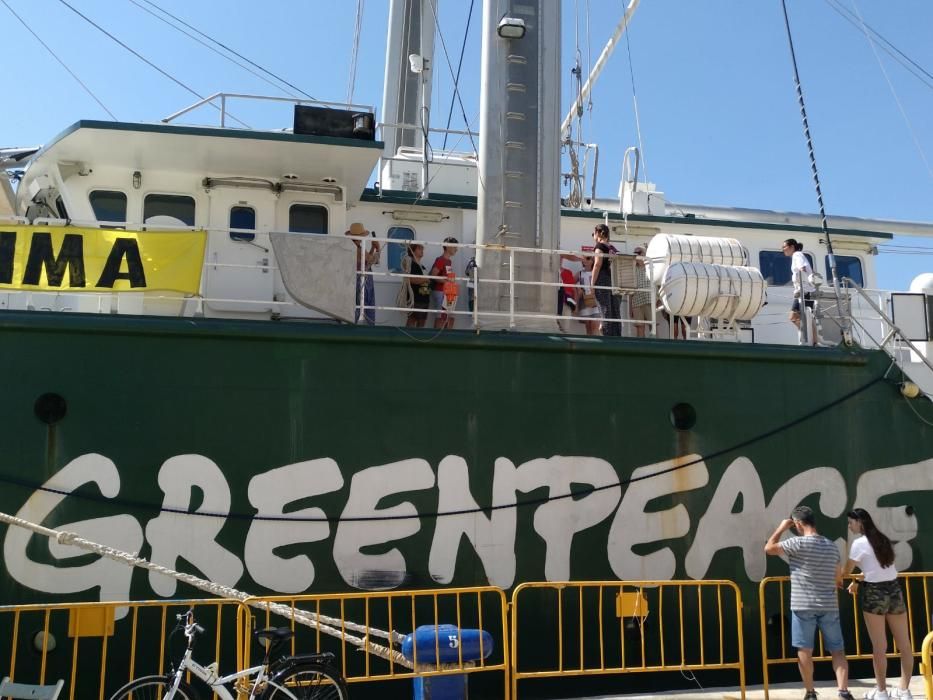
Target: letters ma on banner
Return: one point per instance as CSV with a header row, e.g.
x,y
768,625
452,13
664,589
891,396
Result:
x,y
100,260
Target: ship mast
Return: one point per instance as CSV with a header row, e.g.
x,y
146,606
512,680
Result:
x,y
518,202
407,94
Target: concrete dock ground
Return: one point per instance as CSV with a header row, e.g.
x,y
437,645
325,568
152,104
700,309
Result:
x,y
778,691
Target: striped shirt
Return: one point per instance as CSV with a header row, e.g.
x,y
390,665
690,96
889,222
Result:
x,y
813,562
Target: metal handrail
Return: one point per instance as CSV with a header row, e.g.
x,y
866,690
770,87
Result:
x,y
895,330
224,96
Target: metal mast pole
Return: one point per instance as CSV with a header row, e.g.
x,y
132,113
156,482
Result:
x,y
519,164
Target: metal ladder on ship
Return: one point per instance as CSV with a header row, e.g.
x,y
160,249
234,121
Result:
x,y
896,345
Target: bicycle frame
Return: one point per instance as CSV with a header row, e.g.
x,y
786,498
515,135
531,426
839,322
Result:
x,y
218,684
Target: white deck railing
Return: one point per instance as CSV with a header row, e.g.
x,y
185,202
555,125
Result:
x,y
234,286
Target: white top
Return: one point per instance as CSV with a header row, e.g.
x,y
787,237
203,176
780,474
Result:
x,y
800,264
862,553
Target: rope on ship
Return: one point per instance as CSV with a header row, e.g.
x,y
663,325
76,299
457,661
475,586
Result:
x,y
327,625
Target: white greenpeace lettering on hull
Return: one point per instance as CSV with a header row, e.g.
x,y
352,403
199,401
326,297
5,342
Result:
x,y
174,536
633,525
119,531
270,493
492,538
893,520
366,557
367,488
721,528
558,521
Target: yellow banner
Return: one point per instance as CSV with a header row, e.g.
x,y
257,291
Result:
x,y
71,259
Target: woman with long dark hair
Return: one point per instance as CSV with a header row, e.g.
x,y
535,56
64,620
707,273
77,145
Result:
x,y
881,599
800,273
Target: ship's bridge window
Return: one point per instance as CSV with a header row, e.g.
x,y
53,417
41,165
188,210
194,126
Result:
x,y
108,205
775,267
847,266
396,251
307,218
242,218
167,207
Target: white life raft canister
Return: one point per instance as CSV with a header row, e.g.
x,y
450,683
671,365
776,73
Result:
x,y
713,291
666,249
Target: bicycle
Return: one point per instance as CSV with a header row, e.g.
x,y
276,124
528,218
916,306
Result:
x,y
304,677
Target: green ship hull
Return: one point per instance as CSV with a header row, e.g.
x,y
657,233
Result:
x,y
288,457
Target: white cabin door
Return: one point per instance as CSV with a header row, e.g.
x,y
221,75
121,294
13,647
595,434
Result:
x,y
239,265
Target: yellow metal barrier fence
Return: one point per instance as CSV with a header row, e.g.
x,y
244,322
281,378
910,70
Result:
x,y
612,627
482,608
926,670
774,606
98,647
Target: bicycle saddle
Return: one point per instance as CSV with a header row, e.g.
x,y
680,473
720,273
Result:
x,y
274,634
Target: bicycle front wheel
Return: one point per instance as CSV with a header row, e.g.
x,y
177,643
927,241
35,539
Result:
x,y
153,688
307,682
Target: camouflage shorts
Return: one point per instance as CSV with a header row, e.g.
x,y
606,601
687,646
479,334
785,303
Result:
x,y
883,598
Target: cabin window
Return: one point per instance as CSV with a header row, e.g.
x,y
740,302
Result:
x,y
307,218
775,267
847,266
108,205
396,251
168,206
242,218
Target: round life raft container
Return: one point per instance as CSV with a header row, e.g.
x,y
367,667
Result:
x,y
713,291
666,249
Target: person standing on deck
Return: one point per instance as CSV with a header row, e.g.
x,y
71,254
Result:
x,y
815,576
640,301
364,276
800,273
602,281
440,271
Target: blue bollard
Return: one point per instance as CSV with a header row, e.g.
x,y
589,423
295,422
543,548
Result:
x,y
444,644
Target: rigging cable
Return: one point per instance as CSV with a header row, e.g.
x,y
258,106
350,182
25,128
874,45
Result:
x,y
450,68
227,48
914,68
641,146
211,48
466,34
143,505
575,196
358,26
145,60
63,64
816,175
897,100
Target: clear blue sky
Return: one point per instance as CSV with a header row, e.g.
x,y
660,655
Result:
x,y
719,117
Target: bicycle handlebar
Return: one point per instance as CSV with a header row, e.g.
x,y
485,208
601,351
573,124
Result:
x,y
186,621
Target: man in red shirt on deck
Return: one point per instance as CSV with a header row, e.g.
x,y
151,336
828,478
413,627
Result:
x,y
441,268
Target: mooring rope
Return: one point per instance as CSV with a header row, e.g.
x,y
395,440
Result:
x,y
332,626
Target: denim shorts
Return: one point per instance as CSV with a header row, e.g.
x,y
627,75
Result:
x,y
803,628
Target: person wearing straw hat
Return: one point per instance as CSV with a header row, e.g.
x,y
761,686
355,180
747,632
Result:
x,y
357,232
